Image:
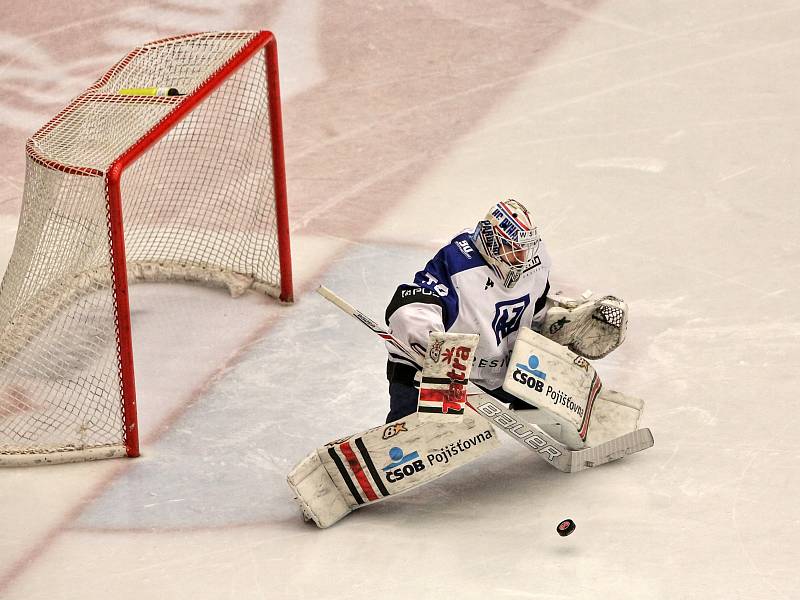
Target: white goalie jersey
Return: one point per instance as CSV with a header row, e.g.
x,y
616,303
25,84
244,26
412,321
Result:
x,y
459,292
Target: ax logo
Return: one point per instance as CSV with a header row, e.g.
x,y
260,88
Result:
x,y
582,363
393,429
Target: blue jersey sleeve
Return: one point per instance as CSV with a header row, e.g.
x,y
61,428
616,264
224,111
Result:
x,y
437,276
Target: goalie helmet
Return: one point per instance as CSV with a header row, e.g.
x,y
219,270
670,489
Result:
x,y
508,239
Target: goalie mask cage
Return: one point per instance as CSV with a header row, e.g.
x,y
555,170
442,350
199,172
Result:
x,y
196,184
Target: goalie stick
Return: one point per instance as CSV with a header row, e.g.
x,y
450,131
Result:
x,y
371,323
529,435
550,449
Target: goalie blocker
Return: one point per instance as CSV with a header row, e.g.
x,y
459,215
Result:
x,y
384,461
445,374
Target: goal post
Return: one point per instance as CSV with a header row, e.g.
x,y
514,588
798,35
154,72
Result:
x,y
124,185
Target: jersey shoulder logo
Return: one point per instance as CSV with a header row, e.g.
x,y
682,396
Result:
x,y
465,248
508,317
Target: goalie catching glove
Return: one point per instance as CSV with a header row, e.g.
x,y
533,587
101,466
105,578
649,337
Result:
x,y
592,328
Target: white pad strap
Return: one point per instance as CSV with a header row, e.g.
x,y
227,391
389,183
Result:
x,y
592,328
384,461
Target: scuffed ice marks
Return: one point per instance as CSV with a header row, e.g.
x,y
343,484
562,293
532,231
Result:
x,y
316,376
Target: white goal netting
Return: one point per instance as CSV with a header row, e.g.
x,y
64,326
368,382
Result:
x,y
202,198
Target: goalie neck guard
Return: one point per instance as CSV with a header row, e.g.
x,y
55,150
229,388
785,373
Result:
x,y
508,239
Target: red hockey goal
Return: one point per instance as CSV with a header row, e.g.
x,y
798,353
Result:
x,y
129,186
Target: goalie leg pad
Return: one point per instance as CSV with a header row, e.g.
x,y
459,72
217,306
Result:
x,y
384,461
319,499
614,414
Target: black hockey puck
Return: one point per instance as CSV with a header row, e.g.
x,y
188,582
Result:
x,y
566,527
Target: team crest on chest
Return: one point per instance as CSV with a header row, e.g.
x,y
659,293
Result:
x,y
508,317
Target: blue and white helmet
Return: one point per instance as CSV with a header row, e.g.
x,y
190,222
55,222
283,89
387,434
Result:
x,y
508,240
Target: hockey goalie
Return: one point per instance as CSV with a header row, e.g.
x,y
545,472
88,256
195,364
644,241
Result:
x,y
478,345
571,423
